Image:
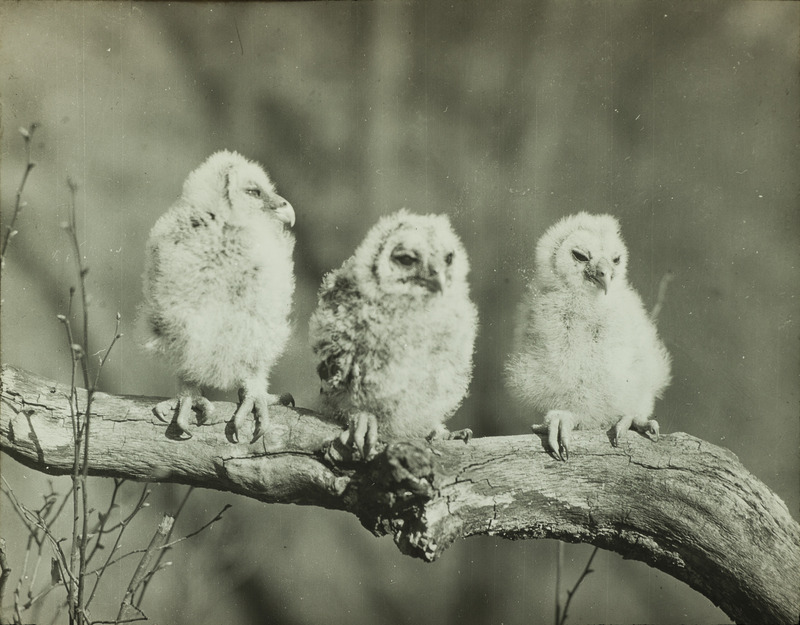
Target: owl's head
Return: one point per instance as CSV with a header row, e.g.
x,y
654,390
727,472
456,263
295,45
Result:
x,y
411,255
584,253
229,183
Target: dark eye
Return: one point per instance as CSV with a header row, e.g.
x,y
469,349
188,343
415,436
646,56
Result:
x,y
254,191
616,260
579,257
449,259
404,259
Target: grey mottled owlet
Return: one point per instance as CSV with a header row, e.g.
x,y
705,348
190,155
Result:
x,y
218,286
394,331
589,355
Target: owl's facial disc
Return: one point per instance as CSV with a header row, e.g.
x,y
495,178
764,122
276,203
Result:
x,y
599,272
412,270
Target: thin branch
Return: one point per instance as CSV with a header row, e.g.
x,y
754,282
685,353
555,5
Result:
x,y
157,565
5,571
102,519
160,536
32,522
117,336
662,294
140,504
72,231
559,573
27,135
169,545
571,593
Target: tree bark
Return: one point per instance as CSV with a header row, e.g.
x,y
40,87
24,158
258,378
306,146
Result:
x,y
681,505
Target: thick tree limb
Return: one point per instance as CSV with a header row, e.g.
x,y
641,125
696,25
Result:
x,y
681,505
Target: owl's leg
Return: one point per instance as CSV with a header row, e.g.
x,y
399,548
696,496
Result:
x,y
558,425
254,398
443,434
640,424
189,396
361,433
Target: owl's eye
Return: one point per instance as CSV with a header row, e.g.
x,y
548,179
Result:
x,y
616,260
580,257
404,258
449,259
254,191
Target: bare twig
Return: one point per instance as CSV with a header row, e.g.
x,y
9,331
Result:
x,y
559,572
157,566
174,542
140,504
27,135
571,593
5,571
662,294
143,569
33,522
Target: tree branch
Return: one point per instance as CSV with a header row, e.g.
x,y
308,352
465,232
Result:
x,y
681,505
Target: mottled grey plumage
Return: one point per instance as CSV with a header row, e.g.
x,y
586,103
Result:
x,y
588,354
394,332
218,286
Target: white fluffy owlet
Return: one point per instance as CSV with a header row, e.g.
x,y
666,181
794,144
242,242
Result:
x,y
588,353
394,333
218,286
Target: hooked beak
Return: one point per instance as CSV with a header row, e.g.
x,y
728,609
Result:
x,y
283,211
434,281
601,274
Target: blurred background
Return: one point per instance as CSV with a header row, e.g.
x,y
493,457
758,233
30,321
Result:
x,y
679,118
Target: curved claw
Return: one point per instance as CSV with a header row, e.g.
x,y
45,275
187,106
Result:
x,y
286,399
558,425
362,434
258,432
461,435
182,408
245,407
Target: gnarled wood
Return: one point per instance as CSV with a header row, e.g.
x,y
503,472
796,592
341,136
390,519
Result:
x,y
682,505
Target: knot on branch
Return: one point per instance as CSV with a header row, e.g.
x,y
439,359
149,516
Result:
x,y
390,494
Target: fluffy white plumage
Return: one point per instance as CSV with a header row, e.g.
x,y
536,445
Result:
x,y
394,332
218,286
589,355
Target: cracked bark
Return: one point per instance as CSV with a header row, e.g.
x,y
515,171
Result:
x,y
682,505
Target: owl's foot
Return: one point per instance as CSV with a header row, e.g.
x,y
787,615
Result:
x,y
648,427
257,403
361,434
181,407
443,434
558,425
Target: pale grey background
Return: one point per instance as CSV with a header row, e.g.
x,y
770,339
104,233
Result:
x,y
679,118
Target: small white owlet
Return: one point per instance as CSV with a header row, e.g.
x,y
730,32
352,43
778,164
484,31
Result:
x,y
218,286
394,333
588,353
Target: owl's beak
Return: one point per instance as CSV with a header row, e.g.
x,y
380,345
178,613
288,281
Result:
x,y
433,282
283,211
600,274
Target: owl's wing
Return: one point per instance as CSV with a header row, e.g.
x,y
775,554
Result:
x,y
334,325
335,367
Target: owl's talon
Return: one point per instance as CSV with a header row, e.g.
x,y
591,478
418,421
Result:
x,y
362,434
164,409
461,435
286,400
257,433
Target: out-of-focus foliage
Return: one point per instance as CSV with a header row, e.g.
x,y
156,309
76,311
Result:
x,y
679,118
